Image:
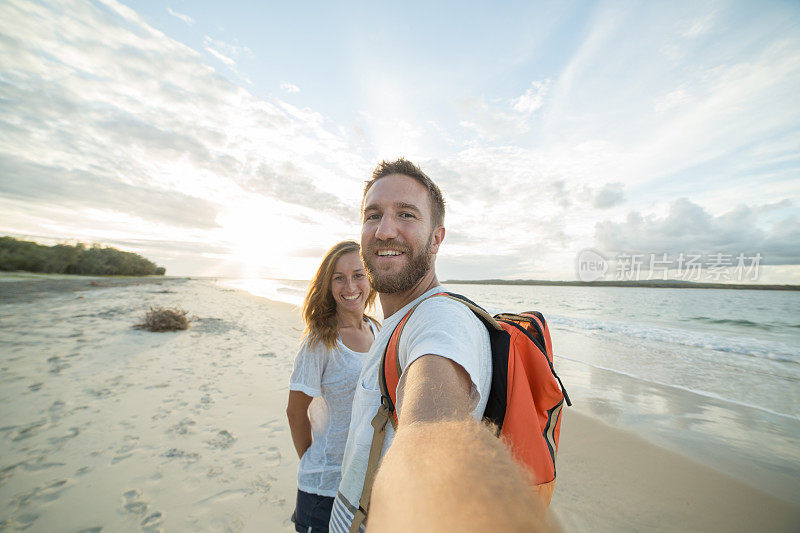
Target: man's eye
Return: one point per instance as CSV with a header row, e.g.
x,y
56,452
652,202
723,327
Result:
x,y
359,275
373,216
406,215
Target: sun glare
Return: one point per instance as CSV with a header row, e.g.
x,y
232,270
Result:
x,y
267,239
261,235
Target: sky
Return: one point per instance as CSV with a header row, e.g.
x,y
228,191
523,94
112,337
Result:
x,y
234,138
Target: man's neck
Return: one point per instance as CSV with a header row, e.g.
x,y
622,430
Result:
x,y
391,303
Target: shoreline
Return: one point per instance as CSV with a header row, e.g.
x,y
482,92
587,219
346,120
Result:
x,y
616,478
703,430
15,287
106,426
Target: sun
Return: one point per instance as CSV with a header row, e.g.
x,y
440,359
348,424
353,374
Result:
x,y
261,235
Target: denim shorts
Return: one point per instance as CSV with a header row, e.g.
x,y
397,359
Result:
x,y
313,512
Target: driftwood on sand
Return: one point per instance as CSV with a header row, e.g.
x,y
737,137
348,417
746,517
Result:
x,y
164,319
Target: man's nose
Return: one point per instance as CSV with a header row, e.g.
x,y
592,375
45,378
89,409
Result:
x,y
387,229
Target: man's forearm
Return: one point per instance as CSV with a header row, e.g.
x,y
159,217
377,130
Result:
x,y
453,476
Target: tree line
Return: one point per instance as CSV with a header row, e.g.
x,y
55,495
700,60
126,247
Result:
x,y
73,259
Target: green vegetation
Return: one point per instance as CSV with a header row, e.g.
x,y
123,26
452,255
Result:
x,y
78,259
164,319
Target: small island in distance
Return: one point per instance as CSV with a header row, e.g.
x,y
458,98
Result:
x,y
79,259
656,284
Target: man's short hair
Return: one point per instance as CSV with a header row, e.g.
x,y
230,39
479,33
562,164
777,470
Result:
x,y
407,168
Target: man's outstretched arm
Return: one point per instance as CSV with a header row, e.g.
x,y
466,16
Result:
x,y
445,470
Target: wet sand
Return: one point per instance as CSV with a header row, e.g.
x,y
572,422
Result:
x,y
104,427
613,480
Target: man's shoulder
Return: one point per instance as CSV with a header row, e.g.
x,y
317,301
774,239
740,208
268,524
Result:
x,y
443,312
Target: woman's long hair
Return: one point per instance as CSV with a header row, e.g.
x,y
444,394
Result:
x,y
319,307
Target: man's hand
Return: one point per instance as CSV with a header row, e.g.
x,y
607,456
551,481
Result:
x,y
445,471
453,476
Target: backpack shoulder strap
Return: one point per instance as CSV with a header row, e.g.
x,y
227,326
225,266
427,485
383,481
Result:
x,y
390,370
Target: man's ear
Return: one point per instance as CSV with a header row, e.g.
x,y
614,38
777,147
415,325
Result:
x,y
438,237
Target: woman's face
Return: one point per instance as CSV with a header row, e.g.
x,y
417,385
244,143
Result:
x,y
349,283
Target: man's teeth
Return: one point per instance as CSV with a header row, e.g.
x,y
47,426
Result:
x,y
388,252
351,298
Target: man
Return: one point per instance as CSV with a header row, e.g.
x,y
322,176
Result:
x,y
445,358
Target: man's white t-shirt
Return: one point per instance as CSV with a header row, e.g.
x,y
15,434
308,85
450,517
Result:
x,y
331,378
439,326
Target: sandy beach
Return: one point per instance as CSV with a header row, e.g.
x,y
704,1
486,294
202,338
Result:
x,y
107,428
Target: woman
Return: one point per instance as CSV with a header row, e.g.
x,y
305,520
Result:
x,y
336,340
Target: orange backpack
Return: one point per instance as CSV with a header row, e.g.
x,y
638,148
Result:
x,y
525,398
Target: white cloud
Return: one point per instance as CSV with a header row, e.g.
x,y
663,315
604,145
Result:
x,y
290,87
222,57
532,99
226,52
495,120
159,147
609,195
233,50
689,228
701,25
672,99
185,18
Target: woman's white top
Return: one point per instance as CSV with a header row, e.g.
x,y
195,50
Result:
x,y
330,377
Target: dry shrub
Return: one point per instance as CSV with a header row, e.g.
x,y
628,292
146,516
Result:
x,y
164,319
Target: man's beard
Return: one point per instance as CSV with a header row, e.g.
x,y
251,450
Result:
x,y
388,283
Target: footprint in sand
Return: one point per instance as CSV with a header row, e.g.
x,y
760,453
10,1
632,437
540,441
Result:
x,y
100,393
188,457
126,450
182,427
56,365
56,410
222,441
209,388
270,424
132,502
272,456
151,522
206,402
29,430
58,442
274,428
23,521
42,493
278,502
262,487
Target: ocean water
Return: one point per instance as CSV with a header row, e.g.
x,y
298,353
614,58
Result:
x,y
738,346
710,373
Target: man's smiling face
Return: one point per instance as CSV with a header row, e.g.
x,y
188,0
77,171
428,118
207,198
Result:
x,y
397,237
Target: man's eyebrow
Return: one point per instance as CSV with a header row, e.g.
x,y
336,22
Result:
x,y
397,205
406,205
